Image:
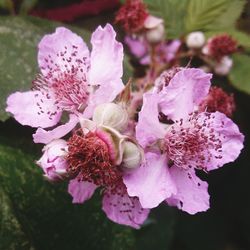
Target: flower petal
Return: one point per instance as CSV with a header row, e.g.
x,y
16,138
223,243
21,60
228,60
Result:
x,y
231,140
81,190
122,209
151,182
62,50
104,94
32,109
170,49
185,91
106,56
192,194
149,129
43,136
137,46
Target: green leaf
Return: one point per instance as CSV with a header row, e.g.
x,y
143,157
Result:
x,y
27,5
240,73
38,215
19,37
200,14
172,12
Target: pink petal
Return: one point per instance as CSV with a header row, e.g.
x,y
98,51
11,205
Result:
x,y
122,209
151,182
62,49
171,50
104,94
43,136
149,129
192,193
106,56
231,138
31,108
185,91
81,190
137,46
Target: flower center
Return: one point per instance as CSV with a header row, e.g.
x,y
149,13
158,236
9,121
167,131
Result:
x,y
66,83
193,143
89,157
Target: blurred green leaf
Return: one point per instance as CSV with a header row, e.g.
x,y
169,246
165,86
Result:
x,y
7,4
27,5
240,73
202,13
38,215
172,12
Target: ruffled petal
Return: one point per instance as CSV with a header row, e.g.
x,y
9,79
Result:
x,y
104,94
184,93
121,208
33,109
192,193
44,136
106,56
81,190
231,140
151,182
62,49
149,129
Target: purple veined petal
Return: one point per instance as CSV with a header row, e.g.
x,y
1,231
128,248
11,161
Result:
x,y
62,50
44,136
121,208
81,190
231,140
106,57
104,94
149,129
192,193
151,182
33,109
137,46
185,91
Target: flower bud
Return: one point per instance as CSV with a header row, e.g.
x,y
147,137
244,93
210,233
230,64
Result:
x,y
155,29
195,40
132,155
53,160
224,66
111,115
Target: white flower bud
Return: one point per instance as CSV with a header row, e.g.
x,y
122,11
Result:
x,y
195,40
156,34
132,155
111,115
224,66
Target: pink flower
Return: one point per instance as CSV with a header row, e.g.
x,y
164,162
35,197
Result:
x,y
187,141
72,79
96,161
165,52
53,161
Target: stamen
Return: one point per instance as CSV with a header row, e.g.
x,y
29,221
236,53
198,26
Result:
x,y
193,143
89,157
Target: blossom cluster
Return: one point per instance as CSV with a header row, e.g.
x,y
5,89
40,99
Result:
x,y
139,148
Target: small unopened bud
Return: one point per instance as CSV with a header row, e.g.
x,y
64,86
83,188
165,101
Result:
x,y
132,155
53,161
155,29
111,115
195,40
224,66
